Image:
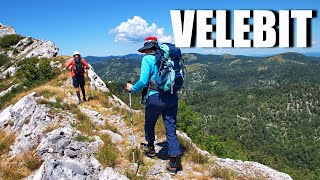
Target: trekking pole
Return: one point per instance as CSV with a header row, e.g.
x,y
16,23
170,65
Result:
x,y
90,85
131,125
64,88
94,89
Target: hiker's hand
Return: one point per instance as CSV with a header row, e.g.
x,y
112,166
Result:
x,y
129,85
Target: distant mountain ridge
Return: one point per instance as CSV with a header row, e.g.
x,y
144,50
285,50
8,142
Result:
x,y
94,59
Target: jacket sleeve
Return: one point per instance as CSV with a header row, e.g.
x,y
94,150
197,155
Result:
x,y
68,64
144,76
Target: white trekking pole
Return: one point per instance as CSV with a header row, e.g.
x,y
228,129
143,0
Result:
x,y
64,88
90,87
131,125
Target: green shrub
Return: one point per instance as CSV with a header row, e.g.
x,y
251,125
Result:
x,y
33,71
30,41
3,59
15,51
9,40
224,173
82,138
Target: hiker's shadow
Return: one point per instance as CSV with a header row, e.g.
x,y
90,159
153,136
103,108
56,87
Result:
x,y
163,154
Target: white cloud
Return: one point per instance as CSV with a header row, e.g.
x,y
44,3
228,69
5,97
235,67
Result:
x,y
136,29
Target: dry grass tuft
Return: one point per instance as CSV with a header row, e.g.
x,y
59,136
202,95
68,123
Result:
x,y
110,127
223,173
108,154
84,123
6,140
13,171
139,156
190,153
20,166
51,128
31,160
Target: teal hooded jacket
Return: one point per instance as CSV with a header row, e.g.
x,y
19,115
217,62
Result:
x,y
148,70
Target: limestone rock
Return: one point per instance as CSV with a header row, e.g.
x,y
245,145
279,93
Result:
x,y
56,64
96,81
63,168
115,137
8,72
6,30
186,137
32,131
40,49
94,116
251,169
9,89
28,119
110,174
19,112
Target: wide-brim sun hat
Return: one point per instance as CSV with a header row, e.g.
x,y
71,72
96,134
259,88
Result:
x,y
149,43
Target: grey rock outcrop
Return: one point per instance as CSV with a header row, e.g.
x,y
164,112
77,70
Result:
x,y
95,116
60,142
64,168
110,174
9,89
6,30
29,47
115,137
96,81
18,113
251,169
67,158
28,119
8,72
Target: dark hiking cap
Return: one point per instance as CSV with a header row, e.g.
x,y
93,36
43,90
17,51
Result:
x,y
149,42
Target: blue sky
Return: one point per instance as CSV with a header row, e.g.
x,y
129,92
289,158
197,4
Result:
x,y
90,26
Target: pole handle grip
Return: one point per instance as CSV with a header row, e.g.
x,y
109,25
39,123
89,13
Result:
x,y
130,83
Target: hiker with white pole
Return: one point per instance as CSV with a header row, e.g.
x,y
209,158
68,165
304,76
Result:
x,y
163,63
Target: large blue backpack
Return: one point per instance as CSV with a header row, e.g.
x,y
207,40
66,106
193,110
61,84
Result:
x,y
171,69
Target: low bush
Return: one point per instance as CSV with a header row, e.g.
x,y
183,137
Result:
x,y
83,138
9,40
3,59
33,71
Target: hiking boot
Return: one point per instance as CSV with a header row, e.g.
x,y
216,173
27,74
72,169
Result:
x,y
172,168
149,151
84,99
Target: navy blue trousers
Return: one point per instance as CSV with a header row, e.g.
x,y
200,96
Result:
x,y
167,105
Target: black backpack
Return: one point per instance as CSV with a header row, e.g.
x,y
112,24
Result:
x,y
78,66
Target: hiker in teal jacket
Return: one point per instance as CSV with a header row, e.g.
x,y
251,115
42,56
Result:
x,y
157,104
